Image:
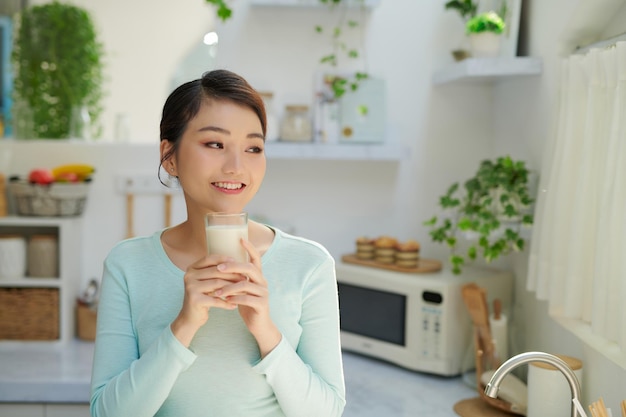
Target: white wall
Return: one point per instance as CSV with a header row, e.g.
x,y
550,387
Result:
x,y
448,129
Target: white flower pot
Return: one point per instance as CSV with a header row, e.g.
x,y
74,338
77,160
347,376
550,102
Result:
x,y
485,44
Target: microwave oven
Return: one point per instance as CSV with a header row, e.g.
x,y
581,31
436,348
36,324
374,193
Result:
x,y
417,321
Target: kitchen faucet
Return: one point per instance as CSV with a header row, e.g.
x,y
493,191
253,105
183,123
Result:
x,y
491,390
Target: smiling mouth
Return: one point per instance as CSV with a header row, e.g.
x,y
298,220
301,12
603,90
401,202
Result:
x,y
229,185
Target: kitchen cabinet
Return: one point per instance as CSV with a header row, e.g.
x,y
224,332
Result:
x,y
488,70
68,235
44,410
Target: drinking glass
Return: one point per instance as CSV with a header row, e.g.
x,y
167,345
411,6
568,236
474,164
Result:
x,y
224,232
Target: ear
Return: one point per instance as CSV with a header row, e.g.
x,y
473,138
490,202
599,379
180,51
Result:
x,y
168,164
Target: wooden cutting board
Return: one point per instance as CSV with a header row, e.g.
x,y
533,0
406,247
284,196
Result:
x,y
423,265
477,407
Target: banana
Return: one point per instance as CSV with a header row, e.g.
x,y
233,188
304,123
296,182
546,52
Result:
x,y
82,171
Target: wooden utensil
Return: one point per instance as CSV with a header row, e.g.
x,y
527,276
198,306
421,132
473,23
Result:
x,y
623,406
497,308
130,200
167,201
598,409
475,299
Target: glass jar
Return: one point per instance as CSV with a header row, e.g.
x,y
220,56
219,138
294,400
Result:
x,y
296,125
272,127
80,123
43,256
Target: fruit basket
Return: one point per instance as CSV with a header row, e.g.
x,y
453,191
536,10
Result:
x,y
56,199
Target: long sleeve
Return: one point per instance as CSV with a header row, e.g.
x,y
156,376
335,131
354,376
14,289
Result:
x,y
123,383
308,380
141,370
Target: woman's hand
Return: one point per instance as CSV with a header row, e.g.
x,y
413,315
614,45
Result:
x,y
252,297
203,280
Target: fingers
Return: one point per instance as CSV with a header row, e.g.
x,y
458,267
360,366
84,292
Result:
x,y
253,253
208,261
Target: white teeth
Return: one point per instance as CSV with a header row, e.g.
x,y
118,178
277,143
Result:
x,y
229,185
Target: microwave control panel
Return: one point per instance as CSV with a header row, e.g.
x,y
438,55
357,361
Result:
x,y
431,337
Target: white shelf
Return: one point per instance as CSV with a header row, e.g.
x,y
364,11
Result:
x,y
342,151
26,282
311,3
68,231
35,221
488,69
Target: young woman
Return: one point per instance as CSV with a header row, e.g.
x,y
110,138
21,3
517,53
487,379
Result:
x,y
182,333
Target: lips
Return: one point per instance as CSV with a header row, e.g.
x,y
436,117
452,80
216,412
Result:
x,y
229,186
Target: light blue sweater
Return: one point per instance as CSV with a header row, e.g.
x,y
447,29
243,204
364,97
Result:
x,y
141,370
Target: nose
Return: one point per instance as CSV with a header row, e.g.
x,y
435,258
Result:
x,y
232,163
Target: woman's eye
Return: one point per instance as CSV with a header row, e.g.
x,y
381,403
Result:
x,y
215,145
255,149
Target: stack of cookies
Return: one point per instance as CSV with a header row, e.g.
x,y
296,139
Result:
x,y
365,248
388,250
407,254
385,250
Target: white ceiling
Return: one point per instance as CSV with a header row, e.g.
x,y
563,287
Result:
x,y
590,19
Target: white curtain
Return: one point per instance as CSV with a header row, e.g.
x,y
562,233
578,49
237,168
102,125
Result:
x,y
578,248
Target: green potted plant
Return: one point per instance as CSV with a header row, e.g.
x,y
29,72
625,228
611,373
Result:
x,y
58,70
485,33
467,10
489,211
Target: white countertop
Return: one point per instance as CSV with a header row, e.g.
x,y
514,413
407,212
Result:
x,y
45,372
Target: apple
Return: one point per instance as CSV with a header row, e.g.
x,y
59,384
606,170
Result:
x,y
40,176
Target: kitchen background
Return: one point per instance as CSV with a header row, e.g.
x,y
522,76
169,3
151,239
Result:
x,y
442,131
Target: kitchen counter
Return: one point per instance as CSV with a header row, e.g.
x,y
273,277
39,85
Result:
x,y
56,373
45,372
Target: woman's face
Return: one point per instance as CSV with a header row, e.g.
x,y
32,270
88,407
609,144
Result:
x,y
220,161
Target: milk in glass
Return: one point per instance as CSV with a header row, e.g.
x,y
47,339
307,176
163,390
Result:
x,y
226,240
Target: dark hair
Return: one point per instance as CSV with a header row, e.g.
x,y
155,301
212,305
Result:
x,y
183,104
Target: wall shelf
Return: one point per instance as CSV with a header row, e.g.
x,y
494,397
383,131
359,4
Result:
x,y
488,69
311,3
341,151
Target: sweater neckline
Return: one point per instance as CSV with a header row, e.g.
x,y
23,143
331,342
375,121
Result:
x,y
162,255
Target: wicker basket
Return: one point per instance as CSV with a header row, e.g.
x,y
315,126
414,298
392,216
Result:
x,y
57,199
29,313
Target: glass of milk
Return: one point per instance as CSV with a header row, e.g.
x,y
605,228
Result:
x,y
224,232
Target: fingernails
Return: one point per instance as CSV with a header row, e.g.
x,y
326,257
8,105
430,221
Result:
x,y
221,267
218,292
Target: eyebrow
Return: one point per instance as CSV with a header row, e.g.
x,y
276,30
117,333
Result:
x,y
227,132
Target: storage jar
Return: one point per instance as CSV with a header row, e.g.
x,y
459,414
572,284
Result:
x,y
296,125
272,128
43,256
12,256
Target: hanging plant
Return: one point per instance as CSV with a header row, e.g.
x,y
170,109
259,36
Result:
x,y
339,85
495,203
222,9
466,8
58,67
